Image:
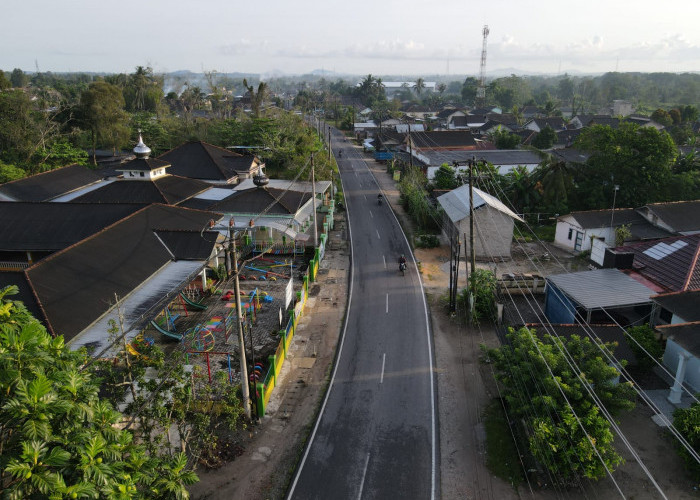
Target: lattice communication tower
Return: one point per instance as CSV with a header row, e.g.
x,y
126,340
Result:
x,y
481,90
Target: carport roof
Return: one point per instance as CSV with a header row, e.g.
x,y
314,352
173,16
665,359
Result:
x,y
602,288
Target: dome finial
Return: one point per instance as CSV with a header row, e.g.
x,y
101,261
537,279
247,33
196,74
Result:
x,y
141,150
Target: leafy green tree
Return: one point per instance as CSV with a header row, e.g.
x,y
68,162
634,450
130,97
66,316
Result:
x,y
505,140
18,78
689,114
19,131
567,430
58,154
445,177
638,159
10,173
645,345
102,113
483,282
468,91
58,438
4,82
142,91
662,117
545,139
414,198
687,422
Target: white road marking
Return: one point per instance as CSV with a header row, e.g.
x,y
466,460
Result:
x,y
362,483
371,214
384,259
387,303
381,380
378,234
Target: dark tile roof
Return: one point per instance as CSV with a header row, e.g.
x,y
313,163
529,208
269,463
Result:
x,y
443,139
685,304
671,262
143,164
447,112
256,200
53,226
51,184
76,286
568,136
682,216
199,160
189,245
571,155
556,123
25,295
610,121
687,335
592,219
169,189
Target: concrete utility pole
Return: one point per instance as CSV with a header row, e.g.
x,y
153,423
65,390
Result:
x,y
472,255
239,320
330,150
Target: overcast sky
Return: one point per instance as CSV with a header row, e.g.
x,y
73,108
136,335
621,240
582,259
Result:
x,y
408,37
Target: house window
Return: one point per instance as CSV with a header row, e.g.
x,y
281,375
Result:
x,y
571,232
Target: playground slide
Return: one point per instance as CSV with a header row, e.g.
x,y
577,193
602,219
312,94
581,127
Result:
x,y
201,307
167,333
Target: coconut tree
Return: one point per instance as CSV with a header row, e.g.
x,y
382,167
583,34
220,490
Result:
x,y
419,86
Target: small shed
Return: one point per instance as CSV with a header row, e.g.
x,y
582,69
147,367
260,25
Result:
x,y
493,222
572,296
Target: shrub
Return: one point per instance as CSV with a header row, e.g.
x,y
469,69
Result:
x,y
427,241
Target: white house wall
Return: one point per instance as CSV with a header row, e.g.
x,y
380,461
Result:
x,y
692,372
561,234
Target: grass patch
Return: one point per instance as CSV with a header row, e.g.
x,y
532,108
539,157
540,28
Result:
x,y
501,454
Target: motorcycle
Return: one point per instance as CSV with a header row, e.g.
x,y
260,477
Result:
x,y
402,267
340,153
379,200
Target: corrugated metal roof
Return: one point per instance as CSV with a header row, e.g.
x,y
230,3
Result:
x,y
601,288
456,203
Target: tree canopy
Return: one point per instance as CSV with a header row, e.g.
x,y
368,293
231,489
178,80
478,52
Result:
x,y
58,438
549,382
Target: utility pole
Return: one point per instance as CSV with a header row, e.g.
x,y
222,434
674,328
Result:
x,y
245,389
329,145
313,200
410,145
472,258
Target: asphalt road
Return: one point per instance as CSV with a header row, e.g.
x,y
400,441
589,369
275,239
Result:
x,y
376,437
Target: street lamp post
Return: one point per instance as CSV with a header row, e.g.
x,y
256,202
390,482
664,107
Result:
x,y
612,214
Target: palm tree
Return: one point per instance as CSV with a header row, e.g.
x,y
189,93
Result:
x,y
554,178
419,86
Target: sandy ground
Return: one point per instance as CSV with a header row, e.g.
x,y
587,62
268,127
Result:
x,y
465,388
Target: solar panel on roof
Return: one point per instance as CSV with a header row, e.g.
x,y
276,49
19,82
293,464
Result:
x,y
661,250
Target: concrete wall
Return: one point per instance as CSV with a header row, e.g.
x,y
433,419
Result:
x,y
692,372
566,223
493,233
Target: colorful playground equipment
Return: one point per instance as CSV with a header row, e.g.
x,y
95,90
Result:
x,y
199,339
137,346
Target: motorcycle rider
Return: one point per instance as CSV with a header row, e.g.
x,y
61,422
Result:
x,y
402,262
379,199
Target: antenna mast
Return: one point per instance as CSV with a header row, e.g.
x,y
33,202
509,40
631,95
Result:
x,y
481,90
